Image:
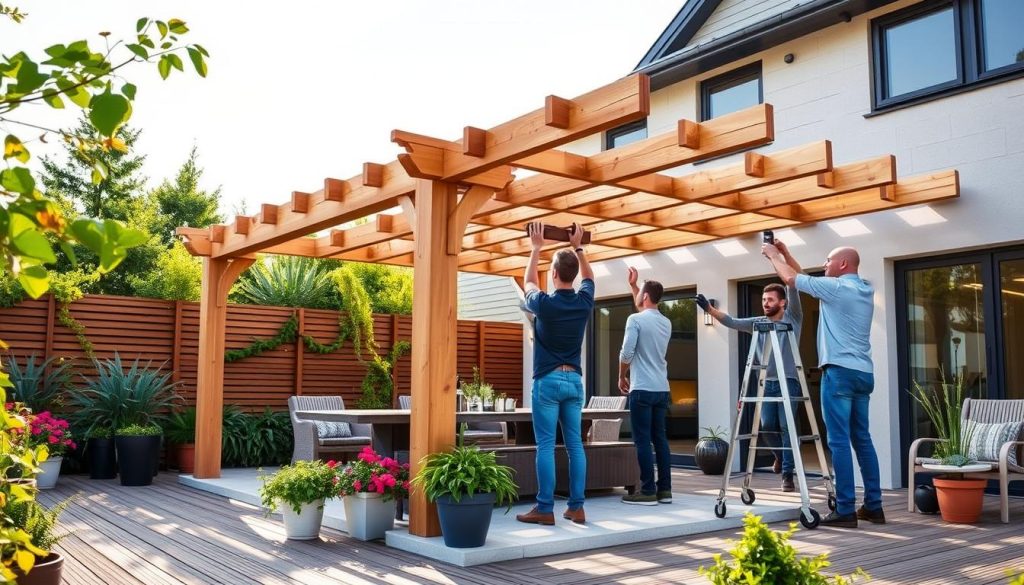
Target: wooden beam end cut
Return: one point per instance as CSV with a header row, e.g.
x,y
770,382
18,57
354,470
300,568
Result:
x,y
217,233
557,112
373,175
300,202
689,134
887,192
474,141
753,164
268,213
243,224
336,189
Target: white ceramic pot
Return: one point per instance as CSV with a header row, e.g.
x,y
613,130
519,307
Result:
x,y
510,405
51,471
499,406
368,516
306,524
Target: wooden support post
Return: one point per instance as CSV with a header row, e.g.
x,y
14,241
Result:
x,y
434,340
218,276
299,351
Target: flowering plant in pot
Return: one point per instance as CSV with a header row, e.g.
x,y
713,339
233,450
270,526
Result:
x,y
44,429
299,490
366,485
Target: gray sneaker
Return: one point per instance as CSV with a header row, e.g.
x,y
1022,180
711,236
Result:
x,y
640,499
665,497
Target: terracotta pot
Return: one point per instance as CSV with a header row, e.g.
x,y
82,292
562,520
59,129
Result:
x,y
187,457
45,572
960,499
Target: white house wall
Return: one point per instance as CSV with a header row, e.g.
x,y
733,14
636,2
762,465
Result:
x,y
824,94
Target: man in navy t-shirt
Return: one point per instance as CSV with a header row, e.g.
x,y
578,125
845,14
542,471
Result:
x,y
561,320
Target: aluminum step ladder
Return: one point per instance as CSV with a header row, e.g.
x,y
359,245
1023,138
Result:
x,y
766,336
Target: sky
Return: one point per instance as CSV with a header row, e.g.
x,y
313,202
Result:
x,y
302,90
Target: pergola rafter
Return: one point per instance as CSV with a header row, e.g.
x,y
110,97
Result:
x,y
444,206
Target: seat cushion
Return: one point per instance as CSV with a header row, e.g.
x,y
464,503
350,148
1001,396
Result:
x,y
332,430
986,439
345,441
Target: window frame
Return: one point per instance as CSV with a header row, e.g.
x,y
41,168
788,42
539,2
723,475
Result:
x,y
727,80
611,135
968,47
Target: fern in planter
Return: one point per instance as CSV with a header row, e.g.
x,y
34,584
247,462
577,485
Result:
x,y
765,556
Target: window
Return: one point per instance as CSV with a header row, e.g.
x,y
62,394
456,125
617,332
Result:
x,y
625,134
731,92
938,47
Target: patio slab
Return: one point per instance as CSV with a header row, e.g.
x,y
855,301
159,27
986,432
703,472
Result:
x,y
609,522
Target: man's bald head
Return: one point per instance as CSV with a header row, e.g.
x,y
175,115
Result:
x,y
842,261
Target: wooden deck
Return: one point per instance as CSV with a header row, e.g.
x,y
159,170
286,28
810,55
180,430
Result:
x,y
169,534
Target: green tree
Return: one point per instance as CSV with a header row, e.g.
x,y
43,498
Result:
x,y
389,287
177,276
183,203
71,180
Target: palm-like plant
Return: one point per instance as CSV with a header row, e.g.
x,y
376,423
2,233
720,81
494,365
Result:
x,y
287,281
115,398
39,385
943,403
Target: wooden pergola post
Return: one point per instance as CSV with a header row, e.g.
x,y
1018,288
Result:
x,y
434,310
218,276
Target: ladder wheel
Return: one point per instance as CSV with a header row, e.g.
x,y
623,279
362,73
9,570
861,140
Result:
x,y
747,495
720,509
832,503
812,522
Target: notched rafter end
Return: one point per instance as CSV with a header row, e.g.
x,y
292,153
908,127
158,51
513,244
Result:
x,y
688,133
217,233
243,223
336,189
753,164
300,202
827,179
385,223
337,238
373,174
268,213
474,141
557,112
887,192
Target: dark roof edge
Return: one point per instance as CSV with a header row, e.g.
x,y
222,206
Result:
x,y
686,23
773,31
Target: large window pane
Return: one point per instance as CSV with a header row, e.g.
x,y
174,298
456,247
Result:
x,y
1002,32
626,134
733,98
946,331
920,53
1011,298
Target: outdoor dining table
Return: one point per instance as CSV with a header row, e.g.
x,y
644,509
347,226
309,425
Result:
x,y
391,426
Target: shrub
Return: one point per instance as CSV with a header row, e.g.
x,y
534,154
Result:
x,y
39,385
301,483
181,426
764,556
138,431
373,474
115,398
38,522
254,440
464,471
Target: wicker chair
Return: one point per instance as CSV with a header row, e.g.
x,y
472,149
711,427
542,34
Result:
x,y
605,429
308,445
481,432
982,411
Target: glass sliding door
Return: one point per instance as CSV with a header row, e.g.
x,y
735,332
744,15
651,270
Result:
x,y
1011,315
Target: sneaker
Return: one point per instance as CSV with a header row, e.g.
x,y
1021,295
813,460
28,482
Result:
x,y
640,499
535,516
872,516
665,497
787,483
837,520
577,516
777,466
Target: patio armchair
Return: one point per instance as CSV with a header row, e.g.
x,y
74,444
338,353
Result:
x,y
314,439
604,430
989,412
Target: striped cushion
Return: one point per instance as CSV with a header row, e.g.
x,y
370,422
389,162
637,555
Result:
x,y
332,430
986,439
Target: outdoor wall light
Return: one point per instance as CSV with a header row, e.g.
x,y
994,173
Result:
x,y
708,319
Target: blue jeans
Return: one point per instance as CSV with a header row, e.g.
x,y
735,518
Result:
x,y
647,414
845,394
773,420
558,400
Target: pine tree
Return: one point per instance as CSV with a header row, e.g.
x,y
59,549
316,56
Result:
x,y
183,203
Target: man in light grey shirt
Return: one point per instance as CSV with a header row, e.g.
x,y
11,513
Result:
x,y
781,305
643,376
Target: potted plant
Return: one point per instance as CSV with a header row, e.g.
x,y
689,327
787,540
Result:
x,y
40,525
960,499
53,433
487,396
765,556
299,490
465,483
101,453
712,451
138,450
367,485
499,403
181,432
38,385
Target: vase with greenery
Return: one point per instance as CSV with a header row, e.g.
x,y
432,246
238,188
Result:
x,y
465,483
40,524
367,485
38,384
138,453
712,451
960,499
299,491
765,556
180,431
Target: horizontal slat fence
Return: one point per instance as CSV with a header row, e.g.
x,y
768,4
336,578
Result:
x,y
167,332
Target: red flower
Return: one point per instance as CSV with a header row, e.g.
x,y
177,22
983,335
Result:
x,y
332,464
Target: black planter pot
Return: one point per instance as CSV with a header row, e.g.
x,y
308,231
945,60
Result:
x,y
464,524
135,457
157,447
102,458
926,499
710,455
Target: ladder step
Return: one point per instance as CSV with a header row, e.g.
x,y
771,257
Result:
x,y
805,438
772,399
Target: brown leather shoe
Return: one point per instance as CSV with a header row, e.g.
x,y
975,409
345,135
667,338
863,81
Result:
x,y
777,466
577,516
536,517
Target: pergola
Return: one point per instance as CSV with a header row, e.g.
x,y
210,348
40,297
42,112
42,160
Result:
x,y
463,210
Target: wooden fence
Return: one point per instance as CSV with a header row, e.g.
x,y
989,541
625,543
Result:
x,y
167,332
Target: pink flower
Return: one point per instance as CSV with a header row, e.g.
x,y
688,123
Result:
x,y
368,455
388,480
358,485
332,464
53,440
36,430
405,485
